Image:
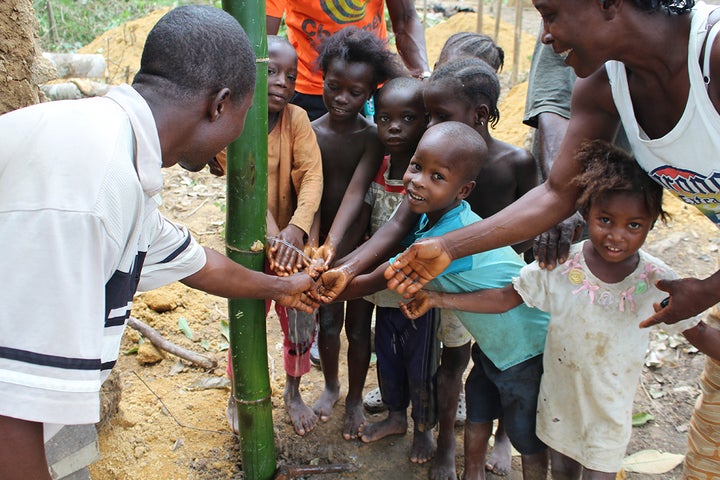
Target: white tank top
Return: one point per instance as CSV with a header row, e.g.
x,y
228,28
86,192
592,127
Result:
x,y
686,161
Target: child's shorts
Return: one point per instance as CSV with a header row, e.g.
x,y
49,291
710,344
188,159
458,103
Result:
x,y
509,394
451,331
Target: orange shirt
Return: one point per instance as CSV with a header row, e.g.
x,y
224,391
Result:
x,y
309,22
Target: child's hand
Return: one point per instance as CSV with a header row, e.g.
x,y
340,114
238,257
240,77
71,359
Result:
x,y
423,301
326,253
285,252
332,283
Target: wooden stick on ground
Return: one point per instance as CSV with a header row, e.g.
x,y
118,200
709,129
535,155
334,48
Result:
x,y
160,342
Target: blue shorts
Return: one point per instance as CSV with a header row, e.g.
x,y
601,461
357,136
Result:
x,y
510,394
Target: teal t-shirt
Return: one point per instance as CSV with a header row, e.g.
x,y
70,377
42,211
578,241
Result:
x,y
507,338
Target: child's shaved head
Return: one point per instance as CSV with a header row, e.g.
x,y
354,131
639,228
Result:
x,y
462,144
401,84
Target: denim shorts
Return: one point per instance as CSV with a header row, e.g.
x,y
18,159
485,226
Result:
x,y
510,394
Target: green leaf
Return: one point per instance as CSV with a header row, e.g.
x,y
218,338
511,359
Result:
x,y
640,419
132,351
205,344
185,328
225,329
223,346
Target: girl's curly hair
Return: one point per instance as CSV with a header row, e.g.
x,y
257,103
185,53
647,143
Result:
x,y
608,169
355,45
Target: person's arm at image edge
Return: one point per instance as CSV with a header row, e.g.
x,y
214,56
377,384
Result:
x,y
409,35
537,211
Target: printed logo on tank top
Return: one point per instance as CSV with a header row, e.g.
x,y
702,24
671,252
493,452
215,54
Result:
x,y
340,13
702,191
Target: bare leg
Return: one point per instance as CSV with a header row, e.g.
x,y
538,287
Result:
x,y
535,466
563,467
301,416
595,475
423,446
22,452
477,436
500,460
394,424
357,330
331,322
453,362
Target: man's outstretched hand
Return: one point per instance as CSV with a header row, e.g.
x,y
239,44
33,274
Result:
x,y
299,292
416,266
687,298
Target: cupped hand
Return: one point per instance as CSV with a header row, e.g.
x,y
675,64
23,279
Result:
x,y
284,252
419,305
326,253
332,283
416,266
298,291
553,246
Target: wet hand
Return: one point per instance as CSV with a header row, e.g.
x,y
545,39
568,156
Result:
x,y
419,305
416,266
298,291
332,283
285,251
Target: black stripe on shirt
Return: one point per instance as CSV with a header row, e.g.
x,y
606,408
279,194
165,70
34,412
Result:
x,y
49,360
177,251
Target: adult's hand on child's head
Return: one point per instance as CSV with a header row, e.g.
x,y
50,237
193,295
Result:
x,y
332,283
688,297
286,255
553,246
297,292
417,265
419,305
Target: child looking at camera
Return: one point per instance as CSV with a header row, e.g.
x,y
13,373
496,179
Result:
x,y
595,349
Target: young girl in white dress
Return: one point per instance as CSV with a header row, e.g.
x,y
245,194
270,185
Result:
x,y
595,349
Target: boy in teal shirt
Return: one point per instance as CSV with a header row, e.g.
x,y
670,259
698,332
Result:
x,y
504,382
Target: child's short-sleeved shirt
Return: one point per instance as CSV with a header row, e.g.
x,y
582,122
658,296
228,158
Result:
x,y
309,22
594,354
508,338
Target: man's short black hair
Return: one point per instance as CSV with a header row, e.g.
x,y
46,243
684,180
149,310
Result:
x,y
198,49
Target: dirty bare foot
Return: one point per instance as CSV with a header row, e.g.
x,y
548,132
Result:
x,y
499,461
354,421
394,424
443,465
423,447
301,416
324,405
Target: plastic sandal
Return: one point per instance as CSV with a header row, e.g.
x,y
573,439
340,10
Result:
x,y
461,414
373,401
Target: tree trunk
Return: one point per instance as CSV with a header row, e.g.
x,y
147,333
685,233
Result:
x,y
246,214
22,67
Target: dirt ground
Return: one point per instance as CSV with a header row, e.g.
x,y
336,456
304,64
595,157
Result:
x,y
171,420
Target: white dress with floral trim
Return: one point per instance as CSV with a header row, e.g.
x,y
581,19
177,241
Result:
x,y
593,354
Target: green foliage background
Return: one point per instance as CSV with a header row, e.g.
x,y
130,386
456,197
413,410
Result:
x,y
78,22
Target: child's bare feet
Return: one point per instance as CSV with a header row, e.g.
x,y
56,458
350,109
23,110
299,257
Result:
x,y
324,405
500,459
443,465
394,424
354,421
301,416
423,447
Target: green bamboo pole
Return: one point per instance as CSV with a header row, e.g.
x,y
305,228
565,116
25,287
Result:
x,y
245,227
